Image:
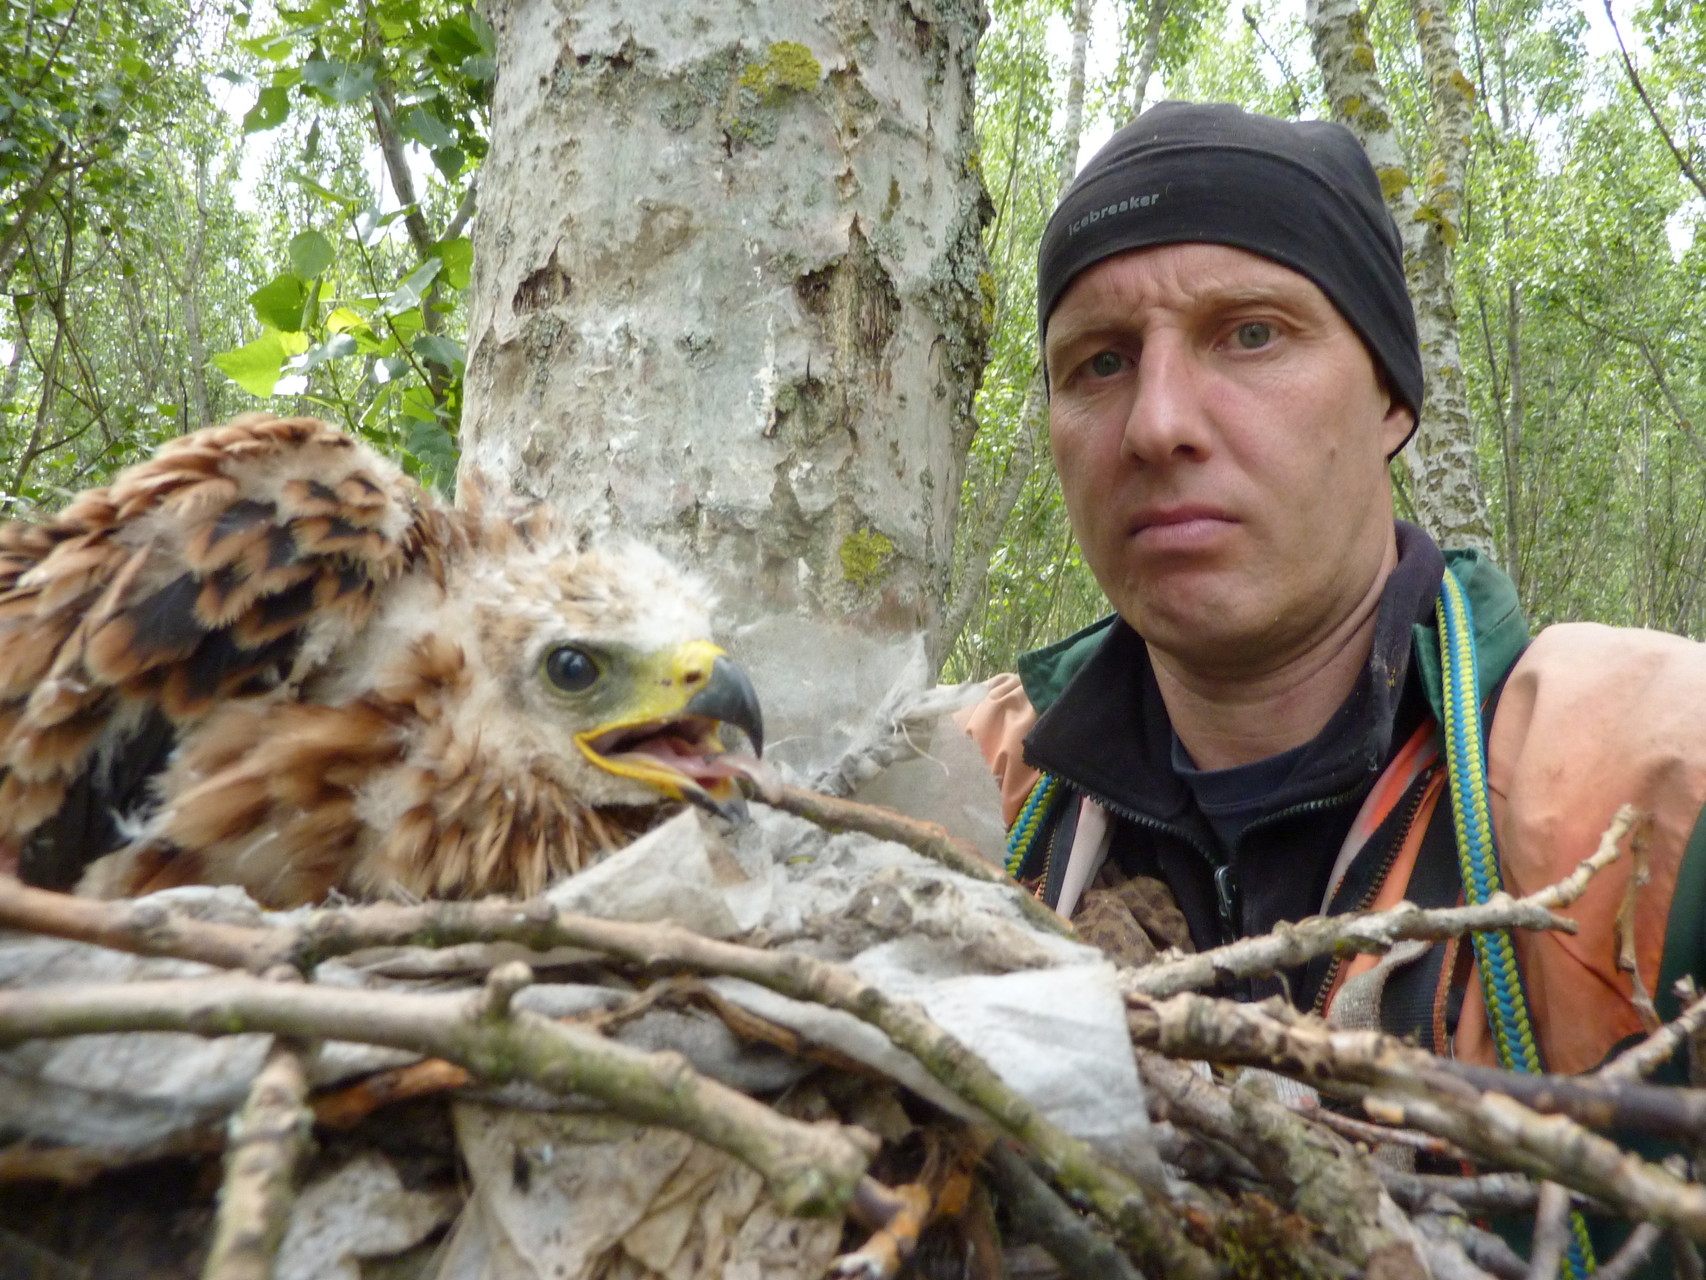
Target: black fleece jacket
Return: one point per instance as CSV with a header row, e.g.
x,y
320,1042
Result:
x,y
1108,735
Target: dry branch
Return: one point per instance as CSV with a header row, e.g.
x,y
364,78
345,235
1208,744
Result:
x,y
1276,1036
1643,1059
1376,932
1474,1107
809,1168
267,1139
929,839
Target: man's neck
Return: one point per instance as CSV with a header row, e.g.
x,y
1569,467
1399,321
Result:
x,y
1228,720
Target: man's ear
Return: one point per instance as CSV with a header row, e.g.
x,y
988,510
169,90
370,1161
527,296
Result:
x,y
1396,427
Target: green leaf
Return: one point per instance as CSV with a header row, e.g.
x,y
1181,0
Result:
x,y
444,352
449,161
325,193
480,67
272,48
456,38
408,295
256,366
417,403
339,81
334,348
345,320
424,127
458,258
279,303
434,452
370,224
310,254
269,111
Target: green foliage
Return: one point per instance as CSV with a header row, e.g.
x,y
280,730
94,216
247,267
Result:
x,y
363,322
146,288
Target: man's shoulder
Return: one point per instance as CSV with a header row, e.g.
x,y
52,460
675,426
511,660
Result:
x,y
1594,718
1591,693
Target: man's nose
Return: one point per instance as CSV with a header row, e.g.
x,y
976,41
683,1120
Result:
x,y
1165,421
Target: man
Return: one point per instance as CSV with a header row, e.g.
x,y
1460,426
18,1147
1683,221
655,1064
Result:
x,y
1231,360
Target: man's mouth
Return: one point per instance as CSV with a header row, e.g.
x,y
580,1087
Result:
x,y
1179,528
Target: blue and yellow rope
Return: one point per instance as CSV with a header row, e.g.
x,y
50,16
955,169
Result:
x,y
1478,859
1022,835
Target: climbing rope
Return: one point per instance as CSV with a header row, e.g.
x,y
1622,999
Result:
x,y
1478,859
1022,835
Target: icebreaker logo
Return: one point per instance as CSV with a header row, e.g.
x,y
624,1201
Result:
x,y
1108,211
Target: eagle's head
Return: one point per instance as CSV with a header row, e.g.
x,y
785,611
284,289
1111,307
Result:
x,y
595,667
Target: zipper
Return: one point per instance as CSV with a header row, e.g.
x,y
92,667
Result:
x,y
1225,883
1226,889
1412,807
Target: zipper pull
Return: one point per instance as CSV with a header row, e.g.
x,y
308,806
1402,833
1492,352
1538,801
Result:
x,y
1226,893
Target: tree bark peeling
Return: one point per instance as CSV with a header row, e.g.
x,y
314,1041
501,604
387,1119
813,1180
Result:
x,y
730,294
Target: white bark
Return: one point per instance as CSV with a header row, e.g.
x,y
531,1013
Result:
x,y
729,292
1442,458
1147,54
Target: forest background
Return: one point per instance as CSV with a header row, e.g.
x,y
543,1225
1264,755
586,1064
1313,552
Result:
x,y
212,208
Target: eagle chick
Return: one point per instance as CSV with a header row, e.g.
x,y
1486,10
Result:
x,y
266,657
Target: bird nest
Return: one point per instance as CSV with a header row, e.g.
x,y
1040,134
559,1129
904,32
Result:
x,y
768,1050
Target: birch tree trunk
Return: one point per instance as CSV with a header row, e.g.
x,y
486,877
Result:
x,y
730,296
1147,53
1442,458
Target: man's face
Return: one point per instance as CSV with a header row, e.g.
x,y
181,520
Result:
x,y
1221,438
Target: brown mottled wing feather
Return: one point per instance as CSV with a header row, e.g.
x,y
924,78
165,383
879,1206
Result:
x,y
227,566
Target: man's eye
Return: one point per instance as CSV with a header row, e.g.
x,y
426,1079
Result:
x,y
1105,364
1254,334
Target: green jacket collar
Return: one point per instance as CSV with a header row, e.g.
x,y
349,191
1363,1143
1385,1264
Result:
x,y
1501,632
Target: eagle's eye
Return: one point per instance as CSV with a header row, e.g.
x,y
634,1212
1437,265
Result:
x,y
570,669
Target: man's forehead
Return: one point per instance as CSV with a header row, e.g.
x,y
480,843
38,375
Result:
x,y
1172,275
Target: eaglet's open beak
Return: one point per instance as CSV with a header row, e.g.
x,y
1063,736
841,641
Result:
x,y
667,737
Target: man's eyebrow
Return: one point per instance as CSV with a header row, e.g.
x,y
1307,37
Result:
x,y
1248,295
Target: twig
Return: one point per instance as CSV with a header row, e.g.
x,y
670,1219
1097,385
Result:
x,y
1555,1148
808,1168
1487,1193
927,838
1375,931
268,1137
1685,1255
1320,1176
345,1108
1643,1059
1658,121
1040,1215
1482,1250
1551,1232
76,1166
1374,1134
1627,960
1634,1253
143,928
1274,1035
1181,1095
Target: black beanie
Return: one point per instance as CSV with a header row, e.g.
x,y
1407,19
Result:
x,y
1300,193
